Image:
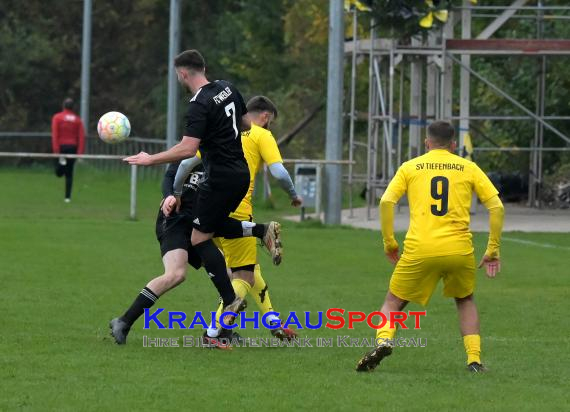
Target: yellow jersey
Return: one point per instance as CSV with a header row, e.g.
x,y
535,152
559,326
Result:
x,y
259,146
440,187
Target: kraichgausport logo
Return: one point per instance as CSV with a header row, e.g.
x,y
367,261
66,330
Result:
x,y
335,319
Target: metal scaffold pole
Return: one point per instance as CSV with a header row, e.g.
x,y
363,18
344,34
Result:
x,y
334,112
439,55
390,145
431,111
370,151
447,72
464,79
86,62
352,115
416,86
173,47
535,168
400,115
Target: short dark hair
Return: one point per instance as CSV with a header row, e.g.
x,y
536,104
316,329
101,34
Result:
x,y
441,133
68,103
190,59
261,104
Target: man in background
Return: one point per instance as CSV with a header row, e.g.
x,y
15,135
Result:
x,y
67,137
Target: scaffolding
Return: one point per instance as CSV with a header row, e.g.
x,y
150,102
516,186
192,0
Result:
x,y
429,65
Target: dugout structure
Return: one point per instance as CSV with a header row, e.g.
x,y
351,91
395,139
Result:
x,y
429,66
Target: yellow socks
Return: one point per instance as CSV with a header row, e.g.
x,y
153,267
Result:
x,y
260,293
241,288
386,332
473,348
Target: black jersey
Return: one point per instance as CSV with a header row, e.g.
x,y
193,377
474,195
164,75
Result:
x,y
188,190
214,116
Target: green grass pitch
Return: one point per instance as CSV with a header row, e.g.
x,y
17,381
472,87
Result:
x,y
66,269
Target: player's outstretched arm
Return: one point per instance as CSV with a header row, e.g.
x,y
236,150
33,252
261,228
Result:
x,y
279,172
184,170
183,150
391,247
491,259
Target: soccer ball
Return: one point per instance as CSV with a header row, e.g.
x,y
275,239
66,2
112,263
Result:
x,y
113,127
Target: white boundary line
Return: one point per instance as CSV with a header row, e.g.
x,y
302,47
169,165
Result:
x,y
531,243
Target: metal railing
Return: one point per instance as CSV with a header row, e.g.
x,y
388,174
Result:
x,y
117,164
95,148
117,158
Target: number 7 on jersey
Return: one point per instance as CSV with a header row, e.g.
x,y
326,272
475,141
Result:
x,y
231,111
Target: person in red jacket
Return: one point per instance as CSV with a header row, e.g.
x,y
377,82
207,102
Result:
x,y
67,137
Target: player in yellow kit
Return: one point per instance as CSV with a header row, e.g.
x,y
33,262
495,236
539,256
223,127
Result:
x,y
439,186
259,147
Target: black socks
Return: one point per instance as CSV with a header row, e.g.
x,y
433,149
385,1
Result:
x,y
144,300
216,267
234,229
258,230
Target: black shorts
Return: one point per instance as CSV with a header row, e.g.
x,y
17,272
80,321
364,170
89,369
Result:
x,y
174,232
214,203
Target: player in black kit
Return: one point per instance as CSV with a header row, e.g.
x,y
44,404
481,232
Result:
x,y
173,230
214,121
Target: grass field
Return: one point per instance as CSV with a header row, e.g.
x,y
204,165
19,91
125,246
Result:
x,y
66,269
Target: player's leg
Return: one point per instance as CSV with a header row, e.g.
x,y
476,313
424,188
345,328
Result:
x,y
244,279
175,265
211,209
268,233
241,257
172,234
260,293
216,267
175,262
241,277
392,303
469,326
459,283
232,228
238,223
241,286
413,280
60,166
69,178
64,167
384,335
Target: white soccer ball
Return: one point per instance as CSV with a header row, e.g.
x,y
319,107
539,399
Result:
x,y
113,127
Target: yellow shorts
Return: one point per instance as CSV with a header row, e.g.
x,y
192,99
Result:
x,y
415,280
239,252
